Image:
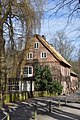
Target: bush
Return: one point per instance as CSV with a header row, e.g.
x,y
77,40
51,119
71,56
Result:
x,y
43,78
44,82
57,87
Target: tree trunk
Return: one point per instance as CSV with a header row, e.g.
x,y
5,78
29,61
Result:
x,y
2,63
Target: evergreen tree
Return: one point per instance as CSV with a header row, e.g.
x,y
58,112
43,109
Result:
x,y
43,78
44,81
40,83
57,87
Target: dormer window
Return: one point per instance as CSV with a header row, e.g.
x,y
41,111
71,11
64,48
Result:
x,y
30,55
43,55
36,45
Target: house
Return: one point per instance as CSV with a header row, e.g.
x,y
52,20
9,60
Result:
x,y
74,81
39,50
13,84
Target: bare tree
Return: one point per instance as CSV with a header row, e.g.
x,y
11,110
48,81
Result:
x,y
72,6
11,11
63,45
28,15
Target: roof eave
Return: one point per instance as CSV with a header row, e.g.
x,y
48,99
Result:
x,y
45,43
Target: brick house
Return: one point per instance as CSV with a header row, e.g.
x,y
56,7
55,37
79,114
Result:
x,y
38,49
74,81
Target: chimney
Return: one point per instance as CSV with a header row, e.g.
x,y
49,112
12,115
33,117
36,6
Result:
x,y
43,37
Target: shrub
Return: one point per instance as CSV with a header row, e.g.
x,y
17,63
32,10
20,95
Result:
x,y
43,78
44,82
57,87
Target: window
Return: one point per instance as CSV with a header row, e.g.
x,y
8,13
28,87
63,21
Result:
x,y
67,71
30,55
28,71
36,45
63,70
43,55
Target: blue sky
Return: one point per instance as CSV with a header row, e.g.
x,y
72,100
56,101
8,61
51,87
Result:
x,y
52,24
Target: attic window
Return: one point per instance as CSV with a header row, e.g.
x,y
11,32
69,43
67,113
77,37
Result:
x,y
36,45
43,55
30,55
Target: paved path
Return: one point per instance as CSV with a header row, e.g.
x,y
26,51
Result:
x,y
69,112
25,110
1,114
44,117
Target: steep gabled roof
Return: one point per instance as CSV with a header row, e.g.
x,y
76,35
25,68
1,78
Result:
x,y
52,50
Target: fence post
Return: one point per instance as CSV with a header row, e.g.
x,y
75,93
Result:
x,y
35,111
1,100
59,103
65,100
8,117
49,106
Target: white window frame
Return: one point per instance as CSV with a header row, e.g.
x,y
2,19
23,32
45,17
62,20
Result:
x,y
29,55
43,54
28,74
36,45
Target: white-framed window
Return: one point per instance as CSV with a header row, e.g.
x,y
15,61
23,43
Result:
x,y
30,55
36,45
28,71
43,55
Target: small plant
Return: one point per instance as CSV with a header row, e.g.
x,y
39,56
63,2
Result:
x,y
57,87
